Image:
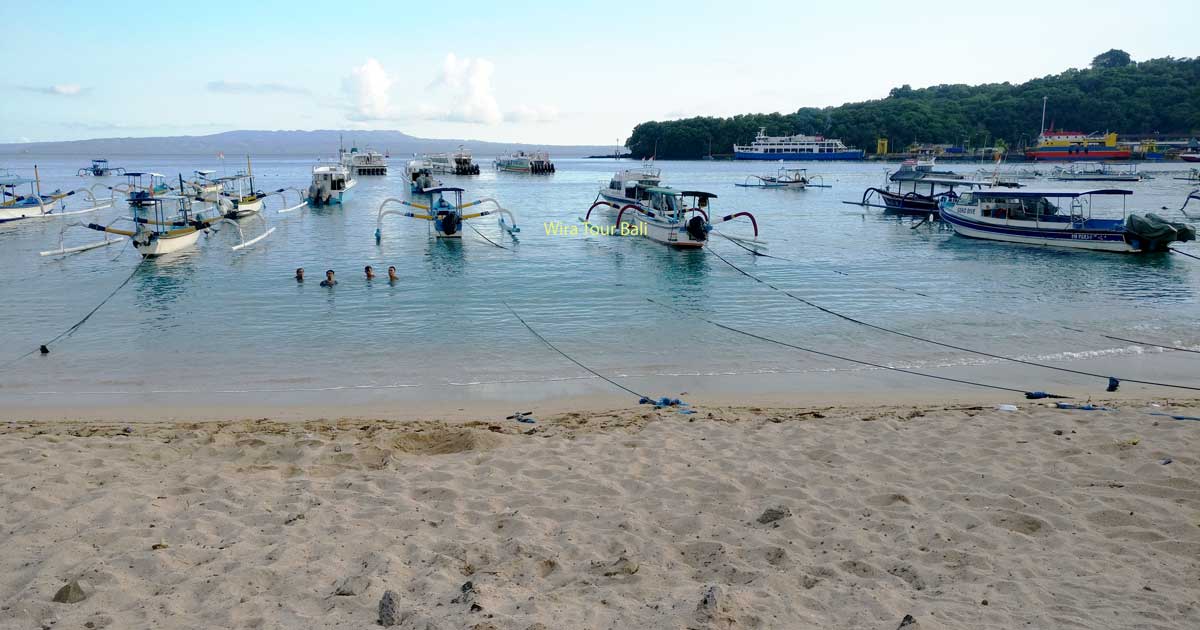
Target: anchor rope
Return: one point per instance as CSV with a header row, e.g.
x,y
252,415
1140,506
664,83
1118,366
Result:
x,y
940,343
831,270
851,360
1149,343
68,332
1184,253
484,237
568,357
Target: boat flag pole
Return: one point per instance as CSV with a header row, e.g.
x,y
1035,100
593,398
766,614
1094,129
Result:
x,y
1043,129
38,181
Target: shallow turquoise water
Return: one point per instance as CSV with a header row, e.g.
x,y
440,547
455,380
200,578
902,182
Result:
x,y
216,320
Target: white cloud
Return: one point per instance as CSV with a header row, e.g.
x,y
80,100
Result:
x,y
369,89
61,89
469,84
532,114
238,87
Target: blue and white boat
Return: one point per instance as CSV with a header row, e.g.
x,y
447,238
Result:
x,y
797,147
1031,217
330,184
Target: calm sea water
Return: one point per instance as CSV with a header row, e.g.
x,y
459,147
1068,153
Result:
x,y
214,320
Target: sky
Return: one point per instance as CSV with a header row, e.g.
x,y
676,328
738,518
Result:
x,y
566,72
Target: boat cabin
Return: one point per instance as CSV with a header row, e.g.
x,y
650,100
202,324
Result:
x,y
671,204
1037,206
632,183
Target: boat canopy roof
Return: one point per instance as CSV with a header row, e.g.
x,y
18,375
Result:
x,y
441,189
205,172
146,174
1034,194
698,194
100,160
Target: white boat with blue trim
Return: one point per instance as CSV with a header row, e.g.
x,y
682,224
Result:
x,y
446,218
1032,217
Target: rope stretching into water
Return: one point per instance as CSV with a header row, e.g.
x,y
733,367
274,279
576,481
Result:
x,y
484,237
68,332
850,360
940,343
1148,343
1184,253
568,357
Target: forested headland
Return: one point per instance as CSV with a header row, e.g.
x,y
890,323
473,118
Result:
x,y
1158,96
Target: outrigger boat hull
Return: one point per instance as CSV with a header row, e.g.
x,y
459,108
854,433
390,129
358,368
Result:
x,y
163,245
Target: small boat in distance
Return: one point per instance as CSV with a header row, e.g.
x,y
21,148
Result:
x,y
677,218
457,163
330,183
1190,156
446,218
366,162
418,172
1103,172
798,147
100,168
1194,215
783,178
536,163
1031,217
1192,175
203,184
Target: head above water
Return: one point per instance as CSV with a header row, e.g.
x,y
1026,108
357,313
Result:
x,y
329,274
392,273
299,273
369,271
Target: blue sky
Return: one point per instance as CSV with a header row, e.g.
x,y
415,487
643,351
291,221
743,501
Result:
x,y
561,72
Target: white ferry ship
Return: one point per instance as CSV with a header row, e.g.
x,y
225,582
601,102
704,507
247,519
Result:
x,y
799,147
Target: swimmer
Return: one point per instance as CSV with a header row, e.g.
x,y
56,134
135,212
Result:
x,y
392,277
328,281
299,274
370,272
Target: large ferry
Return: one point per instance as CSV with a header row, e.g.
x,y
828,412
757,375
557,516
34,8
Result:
x,y
1076,145
798,147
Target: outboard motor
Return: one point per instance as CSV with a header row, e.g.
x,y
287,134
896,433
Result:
x,y
450,223
696,228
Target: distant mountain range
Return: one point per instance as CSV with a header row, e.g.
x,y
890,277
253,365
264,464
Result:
x,y
318,143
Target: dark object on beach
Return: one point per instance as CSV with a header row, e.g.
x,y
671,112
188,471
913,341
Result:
x,y
70,593
522,416
1113,384
770,515
43,349
908,623
388,615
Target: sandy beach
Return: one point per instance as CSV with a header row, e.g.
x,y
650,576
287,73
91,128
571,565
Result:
x,y
961,515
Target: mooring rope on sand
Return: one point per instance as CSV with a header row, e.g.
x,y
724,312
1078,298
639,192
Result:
x,y
569,358
1112,380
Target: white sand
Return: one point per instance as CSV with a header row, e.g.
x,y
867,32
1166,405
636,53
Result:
x,y
625,519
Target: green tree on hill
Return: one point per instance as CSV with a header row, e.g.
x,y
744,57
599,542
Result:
x,y
1154,96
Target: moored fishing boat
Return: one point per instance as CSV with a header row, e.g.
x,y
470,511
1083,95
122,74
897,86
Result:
x,y
446,218
100,168
1191,214
536,163
1032,218
798,147
1190,156
783,178
330,183
365,162
677,218
1103,172
418,172
202,183
458,163
15,205
915,188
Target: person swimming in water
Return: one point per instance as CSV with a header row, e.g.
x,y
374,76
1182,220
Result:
x,y
370,272
299,274
329,280
392,277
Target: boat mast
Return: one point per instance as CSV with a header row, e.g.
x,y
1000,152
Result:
x,y
250,174
38,182
1042,131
